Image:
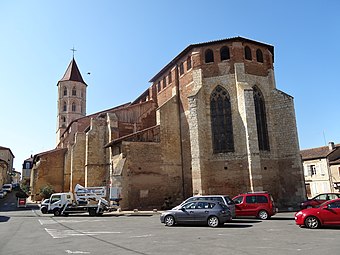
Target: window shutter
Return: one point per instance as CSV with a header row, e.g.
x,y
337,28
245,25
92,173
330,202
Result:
x,y
305,170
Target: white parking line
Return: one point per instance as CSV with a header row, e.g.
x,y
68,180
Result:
x,y
140,236
57,233
50,221
76,252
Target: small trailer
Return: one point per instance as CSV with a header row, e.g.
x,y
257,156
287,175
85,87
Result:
x,y
83,199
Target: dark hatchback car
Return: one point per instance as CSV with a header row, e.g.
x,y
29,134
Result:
x,y
207,212
318,200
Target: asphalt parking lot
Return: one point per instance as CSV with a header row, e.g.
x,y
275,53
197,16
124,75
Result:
x,y
142,233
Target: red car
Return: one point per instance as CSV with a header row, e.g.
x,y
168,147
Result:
x,y
318,200
327,213
258,204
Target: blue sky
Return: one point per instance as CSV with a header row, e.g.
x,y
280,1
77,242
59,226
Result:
x,y
125,43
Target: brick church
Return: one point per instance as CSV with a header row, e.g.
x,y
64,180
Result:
x,y
211,122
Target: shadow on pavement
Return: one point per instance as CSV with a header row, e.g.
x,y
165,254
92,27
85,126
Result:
x,y
4,218
15,208
232,225
244,220
282,218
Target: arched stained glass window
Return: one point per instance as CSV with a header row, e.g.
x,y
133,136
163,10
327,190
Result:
x,y
221,121
64,107
74,91
73,107
261,120
65,91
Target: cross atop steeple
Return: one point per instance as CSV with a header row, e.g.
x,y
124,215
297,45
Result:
x,y
73,49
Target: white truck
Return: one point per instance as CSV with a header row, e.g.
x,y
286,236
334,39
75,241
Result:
x,y
90,199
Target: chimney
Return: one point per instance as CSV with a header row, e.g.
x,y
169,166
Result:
x,y
331,146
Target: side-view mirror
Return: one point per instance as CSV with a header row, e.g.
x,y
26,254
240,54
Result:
x,y
183,209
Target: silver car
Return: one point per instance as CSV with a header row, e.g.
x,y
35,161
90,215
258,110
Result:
x,y
2,193
207,212
225,199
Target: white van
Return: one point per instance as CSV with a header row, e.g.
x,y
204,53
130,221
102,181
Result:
x,y
7,187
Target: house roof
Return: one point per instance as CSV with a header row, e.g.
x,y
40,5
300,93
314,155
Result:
x,y
72,73
5,148
315,153
191,46
335,162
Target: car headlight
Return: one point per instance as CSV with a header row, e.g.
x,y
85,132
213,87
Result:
x,y
298,213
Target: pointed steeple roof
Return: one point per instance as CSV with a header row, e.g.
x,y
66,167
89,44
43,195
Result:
x,y
72,73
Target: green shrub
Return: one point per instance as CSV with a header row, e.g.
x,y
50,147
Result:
x,y
46,191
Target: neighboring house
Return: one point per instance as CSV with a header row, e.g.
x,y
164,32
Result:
x,y
211,122
7,158
16,177
3,172
26,170
335,173
321,169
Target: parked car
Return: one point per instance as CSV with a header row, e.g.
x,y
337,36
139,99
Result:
x,y
212,213
7,187
44,206
219,198
327,213
318,200
2,193
257,204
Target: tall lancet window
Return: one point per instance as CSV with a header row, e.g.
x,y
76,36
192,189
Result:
x,y
65,91
64,107
221,121
261,120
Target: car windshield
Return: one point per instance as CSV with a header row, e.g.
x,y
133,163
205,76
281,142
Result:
x,y
317,206
229,200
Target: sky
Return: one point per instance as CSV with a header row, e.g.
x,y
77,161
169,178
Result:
x,y
123,44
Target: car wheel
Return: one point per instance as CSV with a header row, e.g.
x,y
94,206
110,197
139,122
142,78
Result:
x,y
92,212
213,222
169,220
56,212
43,210
263,215
312,222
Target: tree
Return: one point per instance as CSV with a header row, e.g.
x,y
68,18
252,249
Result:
x,y
46,191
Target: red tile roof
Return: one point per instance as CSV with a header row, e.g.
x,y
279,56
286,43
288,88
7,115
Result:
x,y
320,152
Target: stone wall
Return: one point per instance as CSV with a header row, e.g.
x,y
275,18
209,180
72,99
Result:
x,y
48,170
96,165
78,161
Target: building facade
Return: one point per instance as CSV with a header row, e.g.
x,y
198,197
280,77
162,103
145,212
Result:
x,y
321,169
212,122
6,165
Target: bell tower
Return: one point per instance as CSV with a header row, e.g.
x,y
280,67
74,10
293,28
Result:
x,y
71,98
